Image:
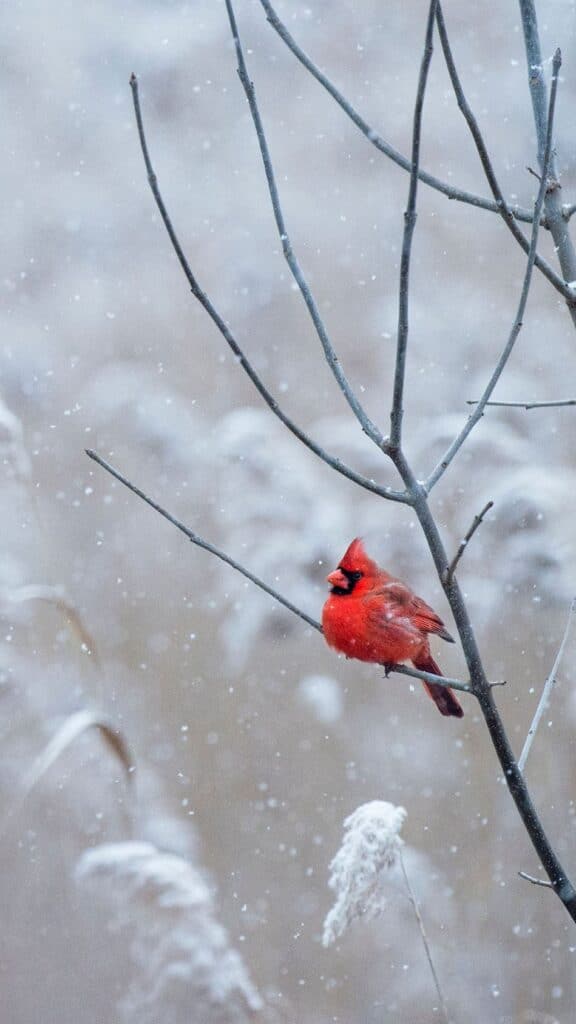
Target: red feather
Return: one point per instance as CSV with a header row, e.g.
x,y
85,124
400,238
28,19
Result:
x,y
372,616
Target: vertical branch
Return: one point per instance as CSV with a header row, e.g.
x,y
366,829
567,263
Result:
x,y
483,693
409,225
517,326
505,211
558,226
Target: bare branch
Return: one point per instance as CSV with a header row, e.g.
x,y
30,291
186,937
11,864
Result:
x,y
409,225
380,144
506,214
527,405
482,690
555,215
369,428
226,333
535,881
201,543
467,537
547,691
429,677
517,326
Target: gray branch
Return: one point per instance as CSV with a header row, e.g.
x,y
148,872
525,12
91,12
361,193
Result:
x,y
555,212
409,225
369,428
535,881
201,543
226,333
517,326
373,136
506,214
466,539
558,404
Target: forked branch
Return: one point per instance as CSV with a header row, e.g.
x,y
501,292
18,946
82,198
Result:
x,y
415,493
376,139
548,271
555,212
473,419
226,333
369,428
466,540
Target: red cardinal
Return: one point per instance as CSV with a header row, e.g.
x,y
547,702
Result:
x,y
372,616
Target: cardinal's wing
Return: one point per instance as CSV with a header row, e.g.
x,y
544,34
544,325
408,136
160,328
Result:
x,y
403,602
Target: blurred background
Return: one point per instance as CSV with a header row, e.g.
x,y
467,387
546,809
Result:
x,y
252,740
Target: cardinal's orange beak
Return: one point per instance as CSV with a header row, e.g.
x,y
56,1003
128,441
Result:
x,y
337,579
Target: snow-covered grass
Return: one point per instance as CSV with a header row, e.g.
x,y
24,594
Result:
x,y
185,967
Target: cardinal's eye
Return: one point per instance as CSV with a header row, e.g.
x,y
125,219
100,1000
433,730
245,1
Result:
x,y
353,577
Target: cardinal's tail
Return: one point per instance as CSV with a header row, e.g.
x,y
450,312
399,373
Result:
x,y
444,699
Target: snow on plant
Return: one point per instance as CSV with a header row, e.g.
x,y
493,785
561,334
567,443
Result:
x,y
371,845
186,968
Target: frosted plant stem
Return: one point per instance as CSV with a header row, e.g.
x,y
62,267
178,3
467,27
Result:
x,y
425,942
547,691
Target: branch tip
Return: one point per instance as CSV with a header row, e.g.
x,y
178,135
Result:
x,y
535,881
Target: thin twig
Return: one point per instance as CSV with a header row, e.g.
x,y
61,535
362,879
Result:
x,y
547,691
424,938
488,169
560,403
369,428
555,215
380,144
409,225
535,881
201,543
429,677
467,537
226,333
517,326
